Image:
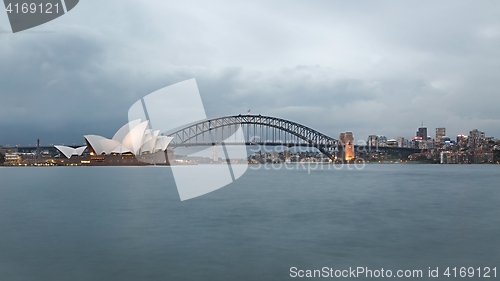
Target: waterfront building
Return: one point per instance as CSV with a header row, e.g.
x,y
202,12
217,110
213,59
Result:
x,y
4,150
12,159
70,151
446,157
133,144
287,154
132,138
392,143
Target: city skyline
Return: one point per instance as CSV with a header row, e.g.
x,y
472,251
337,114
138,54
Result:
x,y
366,140
475,148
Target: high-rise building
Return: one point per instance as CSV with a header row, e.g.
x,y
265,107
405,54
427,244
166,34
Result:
x,y
476,134
346,146
422,133
287,154
421,137
475,137
382,140
440,133
372,140
462,140
401,142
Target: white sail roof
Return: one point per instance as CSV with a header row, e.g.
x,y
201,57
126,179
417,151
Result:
x,y
79,150
133,137
101,144
133,140
70,151
162,142
120,149
149,141
124,130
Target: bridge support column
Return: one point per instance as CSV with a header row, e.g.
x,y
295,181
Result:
x,y
346,147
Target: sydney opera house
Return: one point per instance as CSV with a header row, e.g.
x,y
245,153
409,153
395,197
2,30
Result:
x,y
133,144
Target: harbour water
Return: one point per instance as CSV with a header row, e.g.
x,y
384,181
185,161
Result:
x,y
127,223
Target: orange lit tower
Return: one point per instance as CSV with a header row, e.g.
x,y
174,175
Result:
x,y
346,146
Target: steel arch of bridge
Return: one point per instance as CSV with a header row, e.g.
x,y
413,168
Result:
x,y
187,136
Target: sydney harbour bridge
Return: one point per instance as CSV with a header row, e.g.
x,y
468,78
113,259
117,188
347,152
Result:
x,y
264,131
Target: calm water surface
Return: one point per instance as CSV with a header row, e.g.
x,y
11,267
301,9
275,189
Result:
x,y
127,223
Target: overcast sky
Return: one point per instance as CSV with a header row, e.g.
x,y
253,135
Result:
x,y
371,67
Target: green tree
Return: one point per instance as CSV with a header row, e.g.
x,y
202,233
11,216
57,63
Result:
x,y
424,159
2,158
496,156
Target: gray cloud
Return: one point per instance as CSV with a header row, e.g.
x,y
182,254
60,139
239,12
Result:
x,y
370,67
